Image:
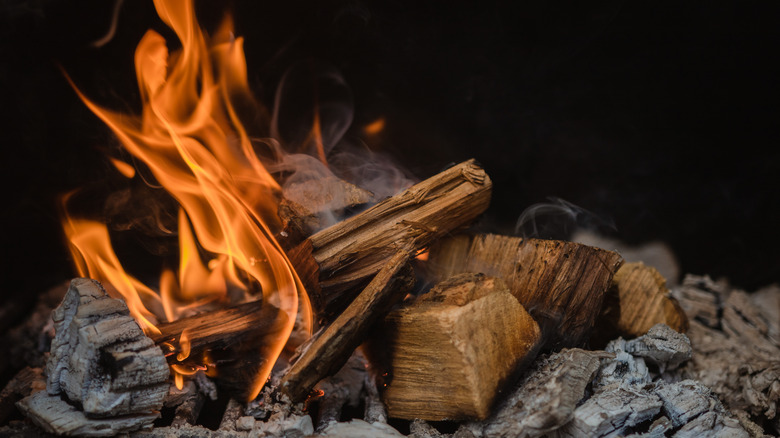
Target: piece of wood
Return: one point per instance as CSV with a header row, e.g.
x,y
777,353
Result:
x,y
311,205
734,353
331,347
449,353
20,386
54,415
562,284
349,253
547,396
637,300
101,359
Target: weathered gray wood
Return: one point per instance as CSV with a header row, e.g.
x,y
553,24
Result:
x,y
611,413
359,429
20,386
56,416
735,353
341,389
547,396
101,358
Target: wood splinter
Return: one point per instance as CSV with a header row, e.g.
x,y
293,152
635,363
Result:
x,y
330,349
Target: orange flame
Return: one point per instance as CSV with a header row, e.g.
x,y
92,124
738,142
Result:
x,y
190,137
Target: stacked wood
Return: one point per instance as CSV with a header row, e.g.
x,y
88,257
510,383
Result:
x,y
100,357
638,300
449,353
347,255
562,284
330,349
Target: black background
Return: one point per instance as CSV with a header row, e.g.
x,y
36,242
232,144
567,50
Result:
x,y
661,118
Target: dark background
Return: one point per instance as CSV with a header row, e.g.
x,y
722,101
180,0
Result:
x,y
661,118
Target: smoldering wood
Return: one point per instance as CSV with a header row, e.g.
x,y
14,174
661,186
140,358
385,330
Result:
x,y
341,389
562,284
331,347
350,252
728,324
311,205
24,383
100,357
546,397
639,299
450,351
219,329
54,415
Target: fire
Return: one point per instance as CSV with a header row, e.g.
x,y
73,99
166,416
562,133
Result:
x,y
191,139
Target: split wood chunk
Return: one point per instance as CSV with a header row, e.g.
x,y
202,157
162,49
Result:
x,y
101,359
562,284
639,299
331,348
452,349
349,253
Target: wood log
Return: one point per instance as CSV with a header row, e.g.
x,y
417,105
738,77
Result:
x,y
330,349
351,252
101,359
449,353
562,284
637,300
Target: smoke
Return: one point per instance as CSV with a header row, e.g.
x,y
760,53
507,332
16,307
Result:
x,y
558,219
312,116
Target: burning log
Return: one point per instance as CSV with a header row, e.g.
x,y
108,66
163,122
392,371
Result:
x,y
638,300
331,348
349,253
450,351
561,283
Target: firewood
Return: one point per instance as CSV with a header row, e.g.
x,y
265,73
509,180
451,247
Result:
x,y
562,284
449,352
219,329
101,359
638,300
547,396
331,348
55,415
349,253
21,385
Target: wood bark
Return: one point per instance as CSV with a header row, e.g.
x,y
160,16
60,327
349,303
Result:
x,y
349,253
449,353
101,359
562,284
331,348
637,300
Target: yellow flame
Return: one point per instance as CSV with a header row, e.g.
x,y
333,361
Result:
x,y
191,139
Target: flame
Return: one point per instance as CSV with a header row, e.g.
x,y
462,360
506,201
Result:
x,y
190,137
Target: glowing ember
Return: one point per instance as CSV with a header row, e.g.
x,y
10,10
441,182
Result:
x,y
190,138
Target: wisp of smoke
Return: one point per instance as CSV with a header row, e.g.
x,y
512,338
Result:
x,y
557,219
